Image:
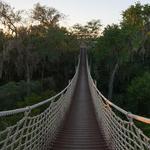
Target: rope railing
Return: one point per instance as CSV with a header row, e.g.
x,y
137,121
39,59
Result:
x,y
120,134
37,132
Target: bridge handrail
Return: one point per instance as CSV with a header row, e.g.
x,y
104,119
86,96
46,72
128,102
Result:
x,y
31,107
128,114
120,133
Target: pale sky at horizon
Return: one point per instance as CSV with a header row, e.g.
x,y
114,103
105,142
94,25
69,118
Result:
x,y
81,11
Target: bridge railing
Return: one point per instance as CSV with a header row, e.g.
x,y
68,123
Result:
x,y
37,132
120,134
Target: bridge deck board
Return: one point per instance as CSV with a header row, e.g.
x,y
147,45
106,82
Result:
x,y
81,130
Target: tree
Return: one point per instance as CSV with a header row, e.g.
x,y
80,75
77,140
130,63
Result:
x,y
2,41
9,17
136,15
88,32
132,16
113,51
46,16
93,28
80,31
136,22
138,94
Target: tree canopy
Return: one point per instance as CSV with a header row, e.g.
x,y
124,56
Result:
x,y
46,16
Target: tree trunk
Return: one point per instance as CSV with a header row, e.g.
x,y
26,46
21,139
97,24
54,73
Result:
x,y
111,81
1,66
28,78
42,76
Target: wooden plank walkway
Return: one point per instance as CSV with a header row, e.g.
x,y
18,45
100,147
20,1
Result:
x,y
81,130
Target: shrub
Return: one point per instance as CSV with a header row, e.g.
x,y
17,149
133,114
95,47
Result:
x,y
138,94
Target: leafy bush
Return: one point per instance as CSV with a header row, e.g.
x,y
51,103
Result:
x,y
35,98
14,93
138,94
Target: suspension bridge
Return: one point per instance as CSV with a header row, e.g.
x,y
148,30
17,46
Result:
x,y
77,118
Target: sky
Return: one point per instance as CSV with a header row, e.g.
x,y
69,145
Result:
x,y
81,11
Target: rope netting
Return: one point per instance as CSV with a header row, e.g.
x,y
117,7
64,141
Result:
x,y
120,134
37,132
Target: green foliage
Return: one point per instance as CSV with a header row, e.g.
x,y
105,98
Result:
x,y
12,92
35,98
139,94
112,44
144,127
27,101
136,15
